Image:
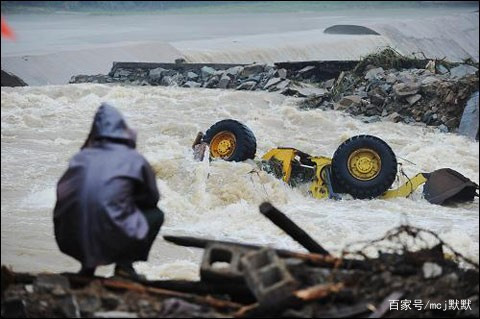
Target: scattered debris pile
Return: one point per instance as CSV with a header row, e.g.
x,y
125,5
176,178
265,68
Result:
x,y
240,280
390,86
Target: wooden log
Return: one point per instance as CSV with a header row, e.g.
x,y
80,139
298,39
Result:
x,y
288,226
208,300
238,292
318,291
320,260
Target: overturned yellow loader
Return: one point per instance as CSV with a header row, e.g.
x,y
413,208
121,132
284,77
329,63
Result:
x,y
363,166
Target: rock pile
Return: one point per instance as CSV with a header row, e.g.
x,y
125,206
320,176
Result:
x,y
432,95
241,77
382,86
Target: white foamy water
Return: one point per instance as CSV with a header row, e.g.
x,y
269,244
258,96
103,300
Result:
x,y
42,127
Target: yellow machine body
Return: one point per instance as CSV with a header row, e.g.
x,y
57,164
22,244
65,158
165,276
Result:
x,y
319,187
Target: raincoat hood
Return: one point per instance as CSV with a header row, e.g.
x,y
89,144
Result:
x,y
109,123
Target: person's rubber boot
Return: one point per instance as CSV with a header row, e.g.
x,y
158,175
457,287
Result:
x,y
126,270
87,271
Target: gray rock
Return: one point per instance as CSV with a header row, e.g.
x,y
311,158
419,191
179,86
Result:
x,y
462,70
48,282
441,69
156,74
431,270
394,117
192,75
234,71
254,77
282,85
348,101
174,80
180,61
429,80
329,84
120,73
249,85
272,82
252,69
373,74
443,128
404,89
412,99
115,314
10,79
391,78
212,82
470,118
377,99
29,288
282,73
224,82
207,71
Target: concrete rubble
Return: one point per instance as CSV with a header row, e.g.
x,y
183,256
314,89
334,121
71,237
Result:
x,y
244,280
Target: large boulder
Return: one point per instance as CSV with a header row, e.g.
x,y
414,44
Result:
x,y
224,82
470,118
207,72
156,74
10,79
252,69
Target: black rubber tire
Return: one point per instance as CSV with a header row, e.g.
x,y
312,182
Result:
x,y
346,183
246,143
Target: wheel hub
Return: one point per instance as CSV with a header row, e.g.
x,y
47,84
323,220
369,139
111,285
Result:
x,y
223,144
364,164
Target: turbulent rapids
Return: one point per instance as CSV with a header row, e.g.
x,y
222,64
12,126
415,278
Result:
x,y
42,127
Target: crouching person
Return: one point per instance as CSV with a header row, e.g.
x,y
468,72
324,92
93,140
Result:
x,y
106,210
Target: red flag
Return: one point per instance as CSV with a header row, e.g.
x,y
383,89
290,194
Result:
x,y
7,32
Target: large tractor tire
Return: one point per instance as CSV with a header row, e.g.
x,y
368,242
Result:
x,y
364,166
231,141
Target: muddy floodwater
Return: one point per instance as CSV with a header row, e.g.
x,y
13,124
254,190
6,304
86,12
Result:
x,y
42,127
